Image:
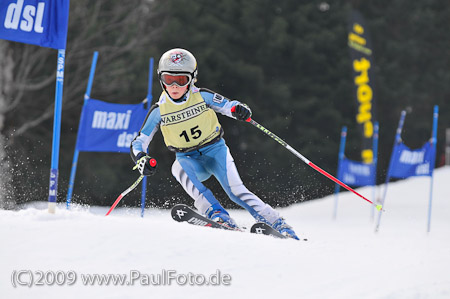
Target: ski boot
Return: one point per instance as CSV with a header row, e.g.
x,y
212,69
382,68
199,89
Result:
x,y
221,216
285,229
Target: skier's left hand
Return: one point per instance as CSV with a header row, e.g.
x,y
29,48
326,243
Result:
x,y
241,111
145,164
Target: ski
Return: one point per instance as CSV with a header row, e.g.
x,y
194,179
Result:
x,y
265,229
262,228
183,213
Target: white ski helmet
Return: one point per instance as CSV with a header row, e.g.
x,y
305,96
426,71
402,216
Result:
x,y
178,61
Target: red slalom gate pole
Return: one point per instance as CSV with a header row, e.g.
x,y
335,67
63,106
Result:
x,y
317,168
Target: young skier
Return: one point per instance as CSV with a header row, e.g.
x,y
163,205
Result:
x,y
188,121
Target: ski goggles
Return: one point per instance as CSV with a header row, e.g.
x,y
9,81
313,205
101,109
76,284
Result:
x,y
180,80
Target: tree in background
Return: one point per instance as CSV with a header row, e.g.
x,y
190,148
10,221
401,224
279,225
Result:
x,y
6,83
411,49
115,29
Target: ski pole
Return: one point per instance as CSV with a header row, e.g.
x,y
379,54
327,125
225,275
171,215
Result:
x,y
317,168
125,193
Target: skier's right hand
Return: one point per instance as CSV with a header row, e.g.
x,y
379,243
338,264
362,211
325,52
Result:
x,y
241,112
145,164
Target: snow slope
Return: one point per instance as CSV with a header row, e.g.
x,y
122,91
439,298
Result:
x,y
343,258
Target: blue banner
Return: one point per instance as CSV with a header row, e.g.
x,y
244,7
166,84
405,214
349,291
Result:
x,y
108,127
406,162
38,22
356,173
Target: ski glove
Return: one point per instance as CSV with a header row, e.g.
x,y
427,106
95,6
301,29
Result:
x,y
241,111
145,164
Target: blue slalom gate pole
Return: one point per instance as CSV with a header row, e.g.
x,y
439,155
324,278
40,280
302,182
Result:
x,y
341,157
149,102
375,162
77,152
433,142
398,139
53,188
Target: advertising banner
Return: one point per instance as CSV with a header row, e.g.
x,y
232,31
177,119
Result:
x,y
109,127
38,22
363,78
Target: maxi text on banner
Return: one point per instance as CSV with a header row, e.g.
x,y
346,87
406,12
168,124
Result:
x,y
407,162
109,127
363,79
38,22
